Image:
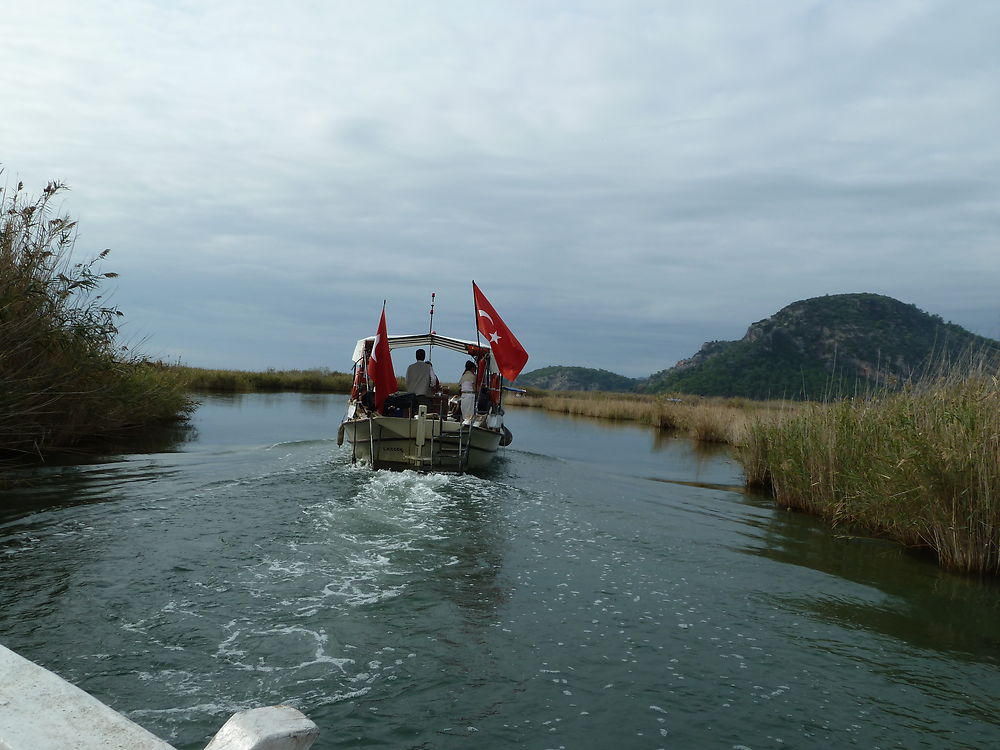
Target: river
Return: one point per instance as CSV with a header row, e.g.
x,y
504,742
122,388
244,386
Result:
x,y
604,586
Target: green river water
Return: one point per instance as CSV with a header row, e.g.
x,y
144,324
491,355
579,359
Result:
x,y
603,587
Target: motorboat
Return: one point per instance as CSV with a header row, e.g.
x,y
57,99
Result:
x,y
389,428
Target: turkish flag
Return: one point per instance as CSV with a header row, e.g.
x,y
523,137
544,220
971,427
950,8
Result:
x,y
507,350
380,365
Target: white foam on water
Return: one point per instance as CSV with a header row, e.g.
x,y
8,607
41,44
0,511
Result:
x,y
288,648
363,542
365,545
349,695
209,709
182,682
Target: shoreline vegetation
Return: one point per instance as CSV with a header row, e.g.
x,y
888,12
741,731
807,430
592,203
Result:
x,y
317,380
66,385
920,466
706,420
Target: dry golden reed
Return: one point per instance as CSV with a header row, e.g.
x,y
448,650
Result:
x,y
710,420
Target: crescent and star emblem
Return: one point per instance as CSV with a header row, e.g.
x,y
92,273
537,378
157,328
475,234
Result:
x,y
494,338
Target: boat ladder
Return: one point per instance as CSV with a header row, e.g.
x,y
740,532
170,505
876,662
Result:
x,y
454,447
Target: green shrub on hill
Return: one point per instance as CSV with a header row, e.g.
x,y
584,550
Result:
x,y
561,378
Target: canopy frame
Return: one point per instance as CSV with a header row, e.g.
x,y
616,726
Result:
x,y
470,348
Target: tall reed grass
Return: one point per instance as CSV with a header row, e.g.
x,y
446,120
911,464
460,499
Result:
x,y
242,381
921,466
65,381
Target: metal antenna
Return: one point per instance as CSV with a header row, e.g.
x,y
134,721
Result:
x,y
430,326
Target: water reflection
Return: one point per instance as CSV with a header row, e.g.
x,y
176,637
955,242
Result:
x,y
623,448
321,403
471,580
902,594
962,628
666,439
76,479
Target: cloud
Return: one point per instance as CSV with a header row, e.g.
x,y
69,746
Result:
x,y
625,180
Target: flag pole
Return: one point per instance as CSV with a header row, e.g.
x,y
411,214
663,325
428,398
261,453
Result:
x,y
479,342
475,313
371,416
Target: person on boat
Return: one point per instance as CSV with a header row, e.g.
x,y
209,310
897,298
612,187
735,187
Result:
x,y
420,378
365,396
467,391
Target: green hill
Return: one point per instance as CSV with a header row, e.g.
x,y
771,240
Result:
x,y
825,346
558,378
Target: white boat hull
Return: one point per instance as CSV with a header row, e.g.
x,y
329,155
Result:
x,y
421,443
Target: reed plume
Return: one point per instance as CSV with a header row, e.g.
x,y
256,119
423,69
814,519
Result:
x,y
65,381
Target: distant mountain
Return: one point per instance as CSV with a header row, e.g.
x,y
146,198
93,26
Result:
x,y
560,378
825,346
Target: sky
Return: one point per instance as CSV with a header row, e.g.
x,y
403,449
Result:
x,y
623,179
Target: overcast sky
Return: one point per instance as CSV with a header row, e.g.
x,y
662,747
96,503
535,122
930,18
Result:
x,y
624,180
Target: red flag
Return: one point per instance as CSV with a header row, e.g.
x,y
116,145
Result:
x,y
507,350
380,365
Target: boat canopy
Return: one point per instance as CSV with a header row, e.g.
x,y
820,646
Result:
x,y
470,348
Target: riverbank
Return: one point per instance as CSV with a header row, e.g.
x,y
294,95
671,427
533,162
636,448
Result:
x,y
67,385
708,420
245,381
920,467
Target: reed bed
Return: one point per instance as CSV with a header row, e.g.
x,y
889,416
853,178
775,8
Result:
x,y
709,420
65,382
921,466
241,381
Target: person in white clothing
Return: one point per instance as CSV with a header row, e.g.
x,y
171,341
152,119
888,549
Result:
x,y
467,390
